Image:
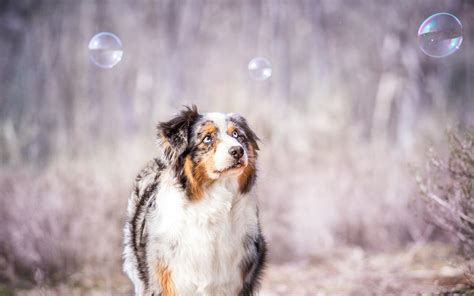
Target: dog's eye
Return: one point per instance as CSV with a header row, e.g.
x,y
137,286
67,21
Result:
x,y
207,139
235,134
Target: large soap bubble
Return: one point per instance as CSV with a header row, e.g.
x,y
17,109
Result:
x,y
105,50
440,35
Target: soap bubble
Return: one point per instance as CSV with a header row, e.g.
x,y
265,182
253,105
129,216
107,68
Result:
x,y
105,50
440,35
260,68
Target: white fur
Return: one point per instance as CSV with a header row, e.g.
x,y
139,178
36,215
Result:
x,y
129,267
201,242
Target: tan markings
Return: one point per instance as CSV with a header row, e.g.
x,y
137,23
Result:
x,y
164,277
197,178
230,128
209,128
249,169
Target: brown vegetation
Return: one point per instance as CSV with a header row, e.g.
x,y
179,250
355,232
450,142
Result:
x,y
448,189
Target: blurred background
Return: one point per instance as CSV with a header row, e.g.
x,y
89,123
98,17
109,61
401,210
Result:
x,y
346,121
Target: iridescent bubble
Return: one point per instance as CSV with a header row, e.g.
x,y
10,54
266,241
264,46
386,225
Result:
x,y
105,50
260,68
440,35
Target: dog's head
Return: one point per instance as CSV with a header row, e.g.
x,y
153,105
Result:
x,y
205,147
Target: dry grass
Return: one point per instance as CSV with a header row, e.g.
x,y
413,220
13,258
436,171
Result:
x,y
416,270
63,222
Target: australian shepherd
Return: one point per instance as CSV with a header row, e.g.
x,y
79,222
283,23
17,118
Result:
x,y
192,221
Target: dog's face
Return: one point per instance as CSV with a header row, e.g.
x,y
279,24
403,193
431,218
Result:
x,y
205,147
218,145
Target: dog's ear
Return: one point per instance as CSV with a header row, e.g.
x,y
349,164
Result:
x,y
173,135
251,136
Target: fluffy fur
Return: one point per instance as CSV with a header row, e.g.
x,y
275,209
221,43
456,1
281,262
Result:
x,y
192,223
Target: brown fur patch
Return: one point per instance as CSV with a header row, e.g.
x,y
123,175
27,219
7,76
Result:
x,y
230,128
209,128
164,278
197,178
249,169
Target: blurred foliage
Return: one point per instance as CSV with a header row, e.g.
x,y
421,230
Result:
x,y
448,188
359,59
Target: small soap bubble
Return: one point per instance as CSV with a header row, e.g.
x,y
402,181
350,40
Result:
x,y
440,35
260,68
105,50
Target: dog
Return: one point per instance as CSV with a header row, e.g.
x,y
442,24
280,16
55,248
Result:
x,y
192,221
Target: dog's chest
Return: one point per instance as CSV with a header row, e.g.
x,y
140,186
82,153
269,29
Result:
x,y
202,242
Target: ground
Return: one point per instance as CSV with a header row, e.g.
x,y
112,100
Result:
x,y
417,270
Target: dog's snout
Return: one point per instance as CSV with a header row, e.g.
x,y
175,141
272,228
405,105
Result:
x,y
236,152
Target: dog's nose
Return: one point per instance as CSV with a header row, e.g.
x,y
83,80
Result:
x,y
236,152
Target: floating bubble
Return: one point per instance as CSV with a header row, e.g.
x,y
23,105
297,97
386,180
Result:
x,y
105,50
440,35
260,68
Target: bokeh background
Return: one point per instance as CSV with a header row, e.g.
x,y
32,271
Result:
x,y
346,120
